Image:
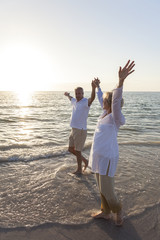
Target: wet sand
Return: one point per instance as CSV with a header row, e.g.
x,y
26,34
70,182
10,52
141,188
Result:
x,y
145,226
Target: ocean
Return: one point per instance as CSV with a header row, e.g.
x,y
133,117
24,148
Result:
x,y
37,186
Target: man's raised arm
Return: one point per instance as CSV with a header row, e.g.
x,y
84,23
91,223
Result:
x,y
68,95
91,99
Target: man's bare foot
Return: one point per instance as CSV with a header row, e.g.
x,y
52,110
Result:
x,y
77,172
119,219
101,215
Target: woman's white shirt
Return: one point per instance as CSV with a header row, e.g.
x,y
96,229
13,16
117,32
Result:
x,y
104,151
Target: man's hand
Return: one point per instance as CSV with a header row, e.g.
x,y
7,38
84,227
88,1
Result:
x,y
124,72
66,94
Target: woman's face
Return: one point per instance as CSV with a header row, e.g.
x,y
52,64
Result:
x,y
106,106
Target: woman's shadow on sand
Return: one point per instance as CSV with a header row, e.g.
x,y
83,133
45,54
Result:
x,y
125,232
108,227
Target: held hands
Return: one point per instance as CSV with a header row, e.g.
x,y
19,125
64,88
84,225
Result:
x,y
96,82
124,72
93,85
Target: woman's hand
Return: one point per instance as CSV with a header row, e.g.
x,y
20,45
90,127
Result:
x,y
124,72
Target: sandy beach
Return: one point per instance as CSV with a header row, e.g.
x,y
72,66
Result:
x,y
145,226
42,199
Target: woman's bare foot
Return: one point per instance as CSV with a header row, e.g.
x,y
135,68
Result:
x,y
101,215
119,219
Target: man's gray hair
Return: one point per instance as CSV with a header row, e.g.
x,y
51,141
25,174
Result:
x,y
78,88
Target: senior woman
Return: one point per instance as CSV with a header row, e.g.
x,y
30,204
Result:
x,y
104,153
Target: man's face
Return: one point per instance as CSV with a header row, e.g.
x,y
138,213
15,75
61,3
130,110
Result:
x,y
79,94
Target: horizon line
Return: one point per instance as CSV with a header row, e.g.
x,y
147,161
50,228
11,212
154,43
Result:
x,y
72,91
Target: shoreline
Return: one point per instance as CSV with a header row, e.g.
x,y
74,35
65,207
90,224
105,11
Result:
x,y
145,226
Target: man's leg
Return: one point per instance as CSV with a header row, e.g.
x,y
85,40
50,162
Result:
x,y
72,150
79,162
79,159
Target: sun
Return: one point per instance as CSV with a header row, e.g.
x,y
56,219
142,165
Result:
x,y
24,97
25,68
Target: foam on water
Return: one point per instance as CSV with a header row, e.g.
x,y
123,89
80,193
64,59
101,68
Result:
x,y
28,152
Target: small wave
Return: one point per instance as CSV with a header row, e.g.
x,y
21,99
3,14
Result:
x,y
142,143
17,158
13,146
7,121
29,106
26,106
19,107
143,210
134,143
25,119
29,146
149,143
130,129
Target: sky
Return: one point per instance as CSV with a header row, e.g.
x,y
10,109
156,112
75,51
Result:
x,y
52,45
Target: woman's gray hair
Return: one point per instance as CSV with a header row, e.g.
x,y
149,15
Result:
x,y
108,96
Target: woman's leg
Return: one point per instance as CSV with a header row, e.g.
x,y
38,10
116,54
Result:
x,y
109,198
106,185
105,211
104,205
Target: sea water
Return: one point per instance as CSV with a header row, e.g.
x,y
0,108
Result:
x,y
37,184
